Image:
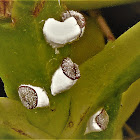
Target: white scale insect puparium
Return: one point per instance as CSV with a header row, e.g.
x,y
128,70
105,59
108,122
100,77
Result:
x,y
65,76
57,33
98,122
79,18
32,96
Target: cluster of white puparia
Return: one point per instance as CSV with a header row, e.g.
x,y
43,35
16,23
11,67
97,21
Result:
x,y
57,34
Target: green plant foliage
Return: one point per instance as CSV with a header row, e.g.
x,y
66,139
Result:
x,y
27,43
130,100
95,87
26,58
94,4
13,119
90,44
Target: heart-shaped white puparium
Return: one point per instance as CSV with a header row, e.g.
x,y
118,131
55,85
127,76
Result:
x,y
98,122
65,76
59,33
32,96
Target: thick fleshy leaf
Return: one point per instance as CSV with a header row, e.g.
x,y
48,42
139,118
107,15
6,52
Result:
x,y
8,133
51,120
94,4
90,44
104,76
119,135
130,100
14,120
26,58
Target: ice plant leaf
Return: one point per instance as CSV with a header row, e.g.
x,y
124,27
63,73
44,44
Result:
x,y
104,76
118,135
7,133
25,36
51,120
130,100
26,58
27,55
90,44
17,122
94,4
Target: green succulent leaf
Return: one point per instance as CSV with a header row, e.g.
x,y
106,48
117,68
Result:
x,y
51,120
130,100
13,119
24,51
26,58
7,133
94,4
90,44
103,77
119,135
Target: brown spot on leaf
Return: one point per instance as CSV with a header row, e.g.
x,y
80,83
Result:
x,y
83,115
5,8
53,110
21,132
38,8
7,123
71,124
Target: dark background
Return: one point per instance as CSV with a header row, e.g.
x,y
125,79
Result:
x,y
119,19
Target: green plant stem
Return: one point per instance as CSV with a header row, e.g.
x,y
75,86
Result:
x,y
103,25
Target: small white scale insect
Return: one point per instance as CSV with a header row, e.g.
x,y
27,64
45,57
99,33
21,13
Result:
x,y
65,76
79,18
98,122
32,96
